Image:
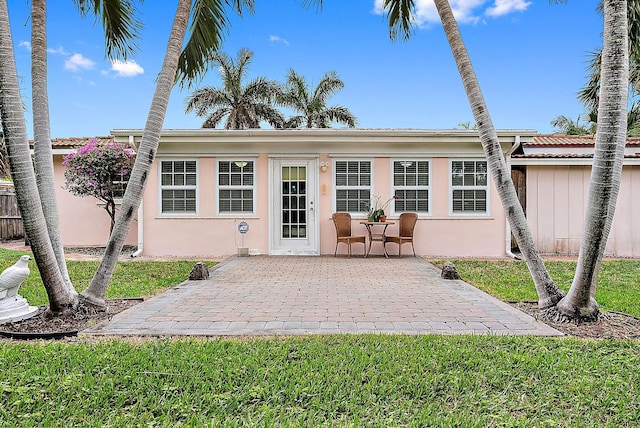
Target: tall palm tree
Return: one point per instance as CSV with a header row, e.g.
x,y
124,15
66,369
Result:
x,y
607,162
312,104
41,224
208,22
15,134
243,106
401,19
607,165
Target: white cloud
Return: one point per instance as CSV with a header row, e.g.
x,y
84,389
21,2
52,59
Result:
x,y
77,62
465,11
126,69
26,45
504,7
278,39
57,51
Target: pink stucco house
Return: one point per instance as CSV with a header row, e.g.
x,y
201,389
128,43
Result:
x,y
280,187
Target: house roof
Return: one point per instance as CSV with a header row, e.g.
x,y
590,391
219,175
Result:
x,y
563,140
538,148
74,142
64,146
572,148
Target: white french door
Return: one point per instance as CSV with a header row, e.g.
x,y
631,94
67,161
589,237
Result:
x,y
293,214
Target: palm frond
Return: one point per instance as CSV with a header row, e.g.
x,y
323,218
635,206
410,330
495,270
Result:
x,y
329,85
206,99
262,89
243,60
295,94
309,3
209,24
590,93
293,122
270,114
401,17
214,119
343,115
121,27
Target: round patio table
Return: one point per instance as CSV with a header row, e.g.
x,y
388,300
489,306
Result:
x,y
377,235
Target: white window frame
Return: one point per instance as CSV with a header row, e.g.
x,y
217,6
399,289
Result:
x,y
195,187
219,187
485,187
362,210
417,186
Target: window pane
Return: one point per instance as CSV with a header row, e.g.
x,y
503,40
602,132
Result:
x,y
178,201
411,180
472,176
235,182
353,179
183,174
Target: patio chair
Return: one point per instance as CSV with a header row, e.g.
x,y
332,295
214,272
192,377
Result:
x,y
406,225
342,221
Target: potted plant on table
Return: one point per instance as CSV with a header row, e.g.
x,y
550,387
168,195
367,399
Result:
x,y
375,210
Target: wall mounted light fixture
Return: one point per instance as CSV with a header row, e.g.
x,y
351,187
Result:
x,y
324,166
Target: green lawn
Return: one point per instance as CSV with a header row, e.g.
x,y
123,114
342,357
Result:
x,y
130,279
339,380
618,284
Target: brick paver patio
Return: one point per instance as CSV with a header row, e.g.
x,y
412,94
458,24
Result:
x,y
282,295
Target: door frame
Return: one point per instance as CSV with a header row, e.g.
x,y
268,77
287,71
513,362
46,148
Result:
x,y
313,221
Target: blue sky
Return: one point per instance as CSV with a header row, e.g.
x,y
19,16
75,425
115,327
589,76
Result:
x,y
530,58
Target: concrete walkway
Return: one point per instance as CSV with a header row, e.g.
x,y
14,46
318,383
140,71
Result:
x,y
284,295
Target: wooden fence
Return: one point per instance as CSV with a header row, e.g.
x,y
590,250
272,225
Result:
x,y
10,220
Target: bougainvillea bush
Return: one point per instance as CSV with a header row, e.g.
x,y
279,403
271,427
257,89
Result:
x,y
100,170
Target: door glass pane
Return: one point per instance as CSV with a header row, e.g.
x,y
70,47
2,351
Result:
x,y
294,205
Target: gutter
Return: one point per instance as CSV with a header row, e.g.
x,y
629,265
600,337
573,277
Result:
x,y
132,143
140,212
507,250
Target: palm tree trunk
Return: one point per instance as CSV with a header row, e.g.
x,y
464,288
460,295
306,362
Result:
x,y
548,293
607,163
15,134
144,158
42,133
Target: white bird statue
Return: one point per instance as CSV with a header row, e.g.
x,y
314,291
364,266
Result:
x,y
13,276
